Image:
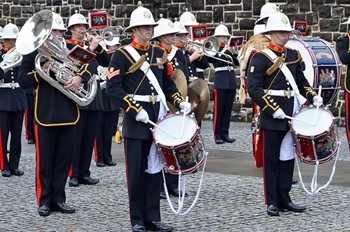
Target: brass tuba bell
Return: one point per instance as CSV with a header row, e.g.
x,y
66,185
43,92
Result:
x,y
36,35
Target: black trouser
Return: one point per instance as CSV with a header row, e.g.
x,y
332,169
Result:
x,y
54,153
30,117
223,102
85,137
11,122
278,174
104,136
143,188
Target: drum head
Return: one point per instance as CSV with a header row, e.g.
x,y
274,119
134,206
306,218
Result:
x,y
308,126
180,130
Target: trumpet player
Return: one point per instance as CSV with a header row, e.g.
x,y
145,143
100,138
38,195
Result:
x,y
224,86
90,114
12,105
56,116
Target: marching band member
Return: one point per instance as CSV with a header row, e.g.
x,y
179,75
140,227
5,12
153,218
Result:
x,y
12,106
276,83
139,79
109,117
166,33
56,116
224,86
89,115
343,48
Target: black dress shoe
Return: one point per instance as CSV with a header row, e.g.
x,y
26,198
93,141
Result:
x,y
294,182
162,195
73,182
62,207
176,193
88,180
229,140
219,141
138,228
44,210
111,163
100,165
6,173
293,207
17,172
273,210
158,226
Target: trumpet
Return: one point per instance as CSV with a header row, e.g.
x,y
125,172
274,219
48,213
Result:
x,y
108,33
210,47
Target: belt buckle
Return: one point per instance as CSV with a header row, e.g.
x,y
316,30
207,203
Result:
x,y
153,98
13,85
287,93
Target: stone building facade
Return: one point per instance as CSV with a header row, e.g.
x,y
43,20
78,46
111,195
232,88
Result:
x,y
324,19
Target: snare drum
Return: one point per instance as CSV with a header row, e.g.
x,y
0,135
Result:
x,y
322,65
180,145
315,136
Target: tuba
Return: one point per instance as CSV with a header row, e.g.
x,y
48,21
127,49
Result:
x,y
11,59
36,35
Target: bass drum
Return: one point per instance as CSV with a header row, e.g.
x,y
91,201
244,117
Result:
x,y
322,65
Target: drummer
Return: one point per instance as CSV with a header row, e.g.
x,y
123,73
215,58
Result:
x,y
278,94
142,93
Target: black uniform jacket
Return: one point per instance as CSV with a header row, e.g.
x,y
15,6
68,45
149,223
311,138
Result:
x,y
224,79
258,80
103,60
121,81
201,63
343,49
52,108
12,99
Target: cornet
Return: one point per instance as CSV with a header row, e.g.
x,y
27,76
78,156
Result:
x,y
210,47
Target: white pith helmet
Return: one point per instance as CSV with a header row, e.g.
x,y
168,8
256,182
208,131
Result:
x,y
165,27
57,22
278,22
77,19
10,31
112,42
188,19
346,22
180,27
221,30
141,16
266,11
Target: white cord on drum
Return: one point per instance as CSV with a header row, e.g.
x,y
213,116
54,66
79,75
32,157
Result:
x,y
182,190
313,185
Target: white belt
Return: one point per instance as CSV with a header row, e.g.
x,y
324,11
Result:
x,y
9,85
280,93
226,68
199,70
146,98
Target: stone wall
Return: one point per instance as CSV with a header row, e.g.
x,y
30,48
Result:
x,y
323,17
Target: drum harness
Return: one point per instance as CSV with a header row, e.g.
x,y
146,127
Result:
x,y
301,100
145,67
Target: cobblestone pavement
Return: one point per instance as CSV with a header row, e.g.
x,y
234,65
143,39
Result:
x,y
226,203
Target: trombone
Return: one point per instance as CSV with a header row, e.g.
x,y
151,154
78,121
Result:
x,y
210,47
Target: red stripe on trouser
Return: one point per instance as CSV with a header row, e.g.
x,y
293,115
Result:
x,y
96,151
2,154
215,111
347,117
37,169
26,122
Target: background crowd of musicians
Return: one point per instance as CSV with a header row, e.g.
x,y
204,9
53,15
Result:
x,y
65,133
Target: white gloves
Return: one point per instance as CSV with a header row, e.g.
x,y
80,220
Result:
x,y
318,101
185,107
142,116
279,114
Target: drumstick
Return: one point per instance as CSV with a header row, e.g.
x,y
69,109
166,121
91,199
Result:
x,y
183,121
299,120
161,128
